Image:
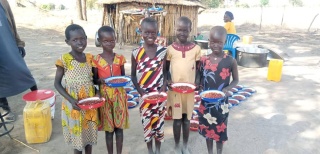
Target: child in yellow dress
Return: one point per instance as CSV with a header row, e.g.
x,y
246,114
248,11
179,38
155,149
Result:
x,y
183,56
79,126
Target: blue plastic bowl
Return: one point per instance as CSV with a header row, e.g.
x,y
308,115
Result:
x,y
133,91
209,100
117,84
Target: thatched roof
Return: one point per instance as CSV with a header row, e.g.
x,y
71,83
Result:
x,y
171,2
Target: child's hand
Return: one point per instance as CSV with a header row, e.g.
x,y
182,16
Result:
x,y
169,84
102,81
225,90
98,95
141,91
163,88
74,104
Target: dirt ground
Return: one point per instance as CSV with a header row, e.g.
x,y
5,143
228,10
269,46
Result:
x,y
282,118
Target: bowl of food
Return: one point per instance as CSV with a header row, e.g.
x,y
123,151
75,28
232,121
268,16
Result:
x,y
212,95
117,81
196,107
197,98
239,97
135,93
233,101
91,103
128,89
239,87
132,104
250,90
129,97
234,90
244,93
136,99
183,87
194,125
155,97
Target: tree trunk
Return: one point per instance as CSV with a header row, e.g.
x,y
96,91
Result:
x,y
79,9
284,8
84,9
261,19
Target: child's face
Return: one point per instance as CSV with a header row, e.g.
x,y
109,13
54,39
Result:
x,y
226,18
149,33
183,31
107,40
216,41
78,40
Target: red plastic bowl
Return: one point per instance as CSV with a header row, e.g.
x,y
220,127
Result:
x,y
91,103
175,87
154,101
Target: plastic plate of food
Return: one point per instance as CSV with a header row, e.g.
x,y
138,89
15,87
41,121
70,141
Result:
x,y
250,90
239,97
183,87
212,95
239,87
155,97
136,99
234,90
197,97
117,81
233,101
132,104
129,97
128,89
135,93
194,125
244,93
91,103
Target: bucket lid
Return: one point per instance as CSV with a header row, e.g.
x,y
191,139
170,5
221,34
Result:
x,y
38,95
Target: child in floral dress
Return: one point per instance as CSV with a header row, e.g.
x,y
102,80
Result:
x,y
79,126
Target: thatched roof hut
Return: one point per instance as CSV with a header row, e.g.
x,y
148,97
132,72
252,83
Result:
x,y
118,15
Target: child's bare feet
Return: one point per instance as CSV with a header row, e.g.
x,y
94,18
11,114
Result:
x,y
177,150
185,150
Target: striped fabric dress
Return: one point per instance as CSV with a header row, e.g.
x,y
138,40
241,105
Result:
x,y
150,78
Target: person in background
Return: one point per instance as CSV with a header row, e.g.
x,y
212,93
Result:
x,y
15,77
229,26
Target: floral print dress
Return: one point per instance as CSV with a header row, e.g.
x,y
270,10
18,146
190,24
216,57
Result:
x,y
114,114
213,117
79,127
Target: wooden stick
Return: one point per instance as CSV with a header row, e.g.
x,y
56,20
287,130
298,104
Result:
x,y
25,145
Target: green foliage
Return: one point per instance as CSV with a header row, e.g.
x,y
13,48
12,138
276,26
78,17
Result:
x,y
211,3
242,5
296,2
49,6
91,4
264,2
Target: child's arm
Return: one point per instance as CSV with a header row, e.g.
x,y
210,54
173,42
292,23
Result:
x,y
198,75
61,90
235,77
169,79
96,81
134,76
123,72
165,75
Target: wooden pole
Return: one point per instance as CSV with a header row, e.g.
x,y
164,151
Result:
x,y
120,40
